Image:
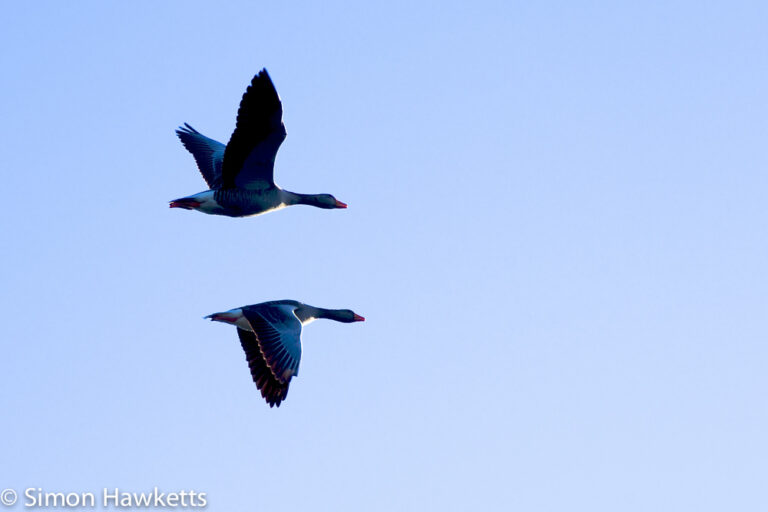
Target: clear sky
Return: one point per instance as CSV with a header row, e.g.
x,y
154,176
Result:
x,y
556,231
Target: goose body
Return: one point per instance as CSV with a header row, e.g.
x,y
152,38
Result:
x,y
270,334
240,174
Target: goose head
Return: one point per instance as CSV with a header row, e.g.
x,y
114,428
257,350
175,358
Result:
x,y
326,201
346,316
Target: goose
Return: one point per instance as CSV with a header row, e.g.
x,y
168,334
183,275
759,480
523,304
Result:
x,y
270,334
240,174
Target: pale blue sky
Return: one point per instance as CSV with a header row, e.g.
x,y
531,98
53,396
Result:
x,y
556,231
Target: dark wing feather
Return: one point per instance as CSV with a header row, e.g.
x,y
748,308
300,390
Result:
x,y
278,332
208,153
271,389
250,154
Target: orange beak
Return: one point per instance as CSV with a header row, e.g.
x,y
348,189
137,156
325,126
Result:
x,y
359,318
339,204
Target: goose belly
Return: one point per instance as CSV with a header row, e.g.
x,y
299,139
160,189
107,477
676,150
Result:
x,y
248,203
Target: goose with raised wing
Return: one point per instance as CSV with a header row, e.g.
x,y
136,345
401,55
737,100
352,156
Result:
x,y
270,334
240,174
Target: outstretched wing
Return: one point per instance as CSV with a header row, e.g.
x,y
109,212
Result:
x,y
271,389
274,349
250,154
208,153
279,334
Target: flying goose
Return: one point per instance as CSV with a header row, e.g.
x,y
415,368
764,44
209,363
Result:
x,y
240,174
270,334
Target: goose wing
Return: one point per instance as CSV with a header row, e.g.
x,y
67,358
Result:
x,y
250,154
208,153
273,349
271,389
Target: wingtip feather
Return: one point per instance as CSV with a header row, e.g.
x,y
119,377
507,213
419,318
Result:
x,y
186,129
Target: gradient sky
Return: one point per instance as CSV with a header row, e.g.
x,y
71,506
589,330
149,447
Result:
x,y
556,231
